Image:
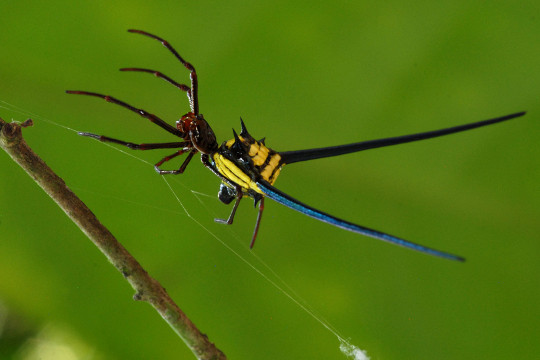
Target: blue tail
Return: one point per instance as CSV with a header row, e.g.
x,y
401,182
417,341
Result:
x,y
284,199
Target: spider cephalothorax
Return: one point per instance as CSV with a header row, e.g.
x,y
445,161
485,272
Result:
x,y
197,130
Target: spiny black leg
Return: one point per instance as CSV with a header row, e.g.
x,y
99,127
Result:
x,y
161,75
134,146
172,156
191,68
153,118
259,217
229,221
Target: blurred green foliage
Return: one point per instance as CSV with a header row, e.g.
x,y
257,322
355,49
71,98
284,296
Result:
x,y
303,74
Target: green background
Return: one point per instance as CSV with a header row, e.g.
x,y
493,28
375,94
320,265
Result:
x,y
304,74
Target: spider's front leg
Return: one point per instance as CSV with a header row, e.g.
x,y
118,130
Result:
x,y
145,114
161,75
193,94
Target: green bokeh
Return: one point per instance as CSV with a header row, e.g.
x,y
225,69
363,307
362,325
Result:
x,y
303,74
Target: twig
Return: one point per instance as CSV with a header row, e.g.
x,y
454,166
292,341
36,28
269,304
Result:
x,y
146,288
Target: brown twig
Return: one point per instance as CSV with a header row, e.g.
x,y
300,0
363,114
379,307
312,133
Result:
x,y
147,289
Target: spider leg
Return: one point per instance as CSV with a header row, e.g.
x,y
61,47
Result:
x,y
172,156
161,75
229,221
193,74
259,216
153,118
134,146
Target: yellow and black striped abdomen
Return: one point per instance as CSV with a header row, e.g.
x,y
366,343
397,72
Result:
x,y
244,160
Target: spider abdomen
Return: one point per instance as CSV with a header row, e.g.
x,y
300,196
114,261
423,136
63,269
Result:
x,y
244,160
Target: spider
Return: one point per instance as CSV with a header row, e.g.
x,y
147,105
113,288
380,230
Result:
x,y
247,167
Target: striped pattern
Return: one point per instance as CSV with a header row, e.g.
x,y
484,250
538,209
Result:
x,y
260,162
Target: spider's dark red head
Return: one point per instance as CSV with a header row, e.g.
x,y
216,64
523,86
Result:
x,y
198,131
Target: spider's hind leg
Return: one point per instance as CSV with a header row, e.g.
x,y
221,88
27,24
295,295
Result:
x,y
258,223
226,195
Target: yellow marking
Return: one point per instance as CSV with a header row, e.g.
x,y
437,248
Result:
x,y
232,172
230,142
258,153
266,173
260,156
272,179
254,149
